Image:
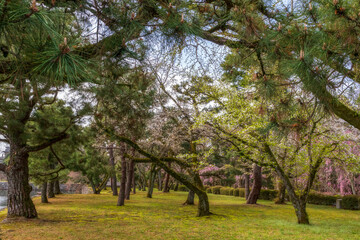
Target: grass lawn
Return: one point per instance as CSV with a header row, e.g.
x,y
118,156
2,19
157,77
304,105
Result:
x,y
164,217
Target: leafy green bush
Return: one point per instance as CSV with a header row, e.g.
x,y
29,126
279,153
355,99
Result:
x,y
209,190
351,202
216,189
231,191
321,199
183,188
268,194
236,192
225,191
241,192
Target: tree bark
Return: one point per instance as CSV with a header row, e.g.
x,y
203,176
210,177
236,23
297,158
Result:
x,y
159,181
166,184
57,187
133,182
121,198
113,179
247,184
190,198
44,198
130,174
19,202
281,193
301,214
256,187
203,207
151,182
51,193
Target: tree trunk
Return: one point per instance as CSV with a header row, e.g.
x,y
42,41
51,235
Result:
x,y
190,198
113,179
57,187
133,182
176,188
130,173
281,193
160,181
166,184
121,199
51,193
247,184
256,187
44,198
19,202
151,183
203,207
300,210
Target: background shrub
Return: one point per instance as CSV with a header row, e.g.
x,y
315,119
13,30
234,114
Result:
x,y
216,189
268,194
350,202
321,199
183,188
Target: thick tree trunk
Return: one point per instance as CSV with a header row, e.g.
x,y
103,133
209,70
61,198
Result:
x,y
247,184
300,210
281,193
44,198
113,179
51,193
176,188
130,173
57,187
190,198
256,187
203,207
121,199
19,202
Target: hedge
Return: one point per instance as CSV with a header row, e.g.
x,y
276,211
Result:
x,y
268,194
183,188
216,189
351,202
321,199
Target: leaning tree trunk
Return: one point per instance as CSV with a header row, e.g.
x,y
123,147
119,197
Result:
x,y
247,184
121,199
256,187
190,198
44,198
51,193
19,202
57,187
130,174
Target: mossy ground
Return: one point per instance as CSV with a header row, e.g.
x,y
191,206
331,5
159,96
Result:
x,y
164,217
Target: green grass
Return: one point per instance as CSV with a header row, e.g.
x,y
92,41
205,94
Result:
x,y
164,217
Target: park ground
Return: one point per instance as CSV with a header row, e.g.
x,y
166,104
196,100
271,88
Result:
x,y
164,217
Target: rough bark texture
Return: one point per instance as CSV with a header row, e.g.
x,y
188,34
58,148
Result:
x,y
19,202
113,179
44,198
204,207
121,199
159,181
130,174
51,193
190,198
57,187
256,187
133,182
247,184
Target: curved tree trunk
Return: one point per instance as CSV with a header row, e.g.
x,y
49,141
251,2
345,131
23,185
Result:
x,y
255,190
19,202
44,198
57,187
51,193
190,198
203,207
121,199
